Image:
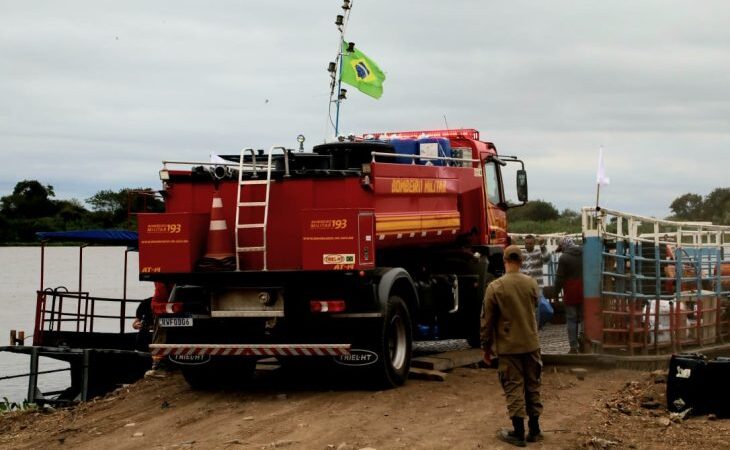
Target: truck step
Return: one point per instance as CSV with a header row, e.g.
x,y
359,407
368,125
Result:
x,y
250,225
252,204
252,182
251,249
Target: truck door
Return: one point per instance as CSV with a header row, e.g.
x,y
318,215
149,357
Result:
x,y
494,197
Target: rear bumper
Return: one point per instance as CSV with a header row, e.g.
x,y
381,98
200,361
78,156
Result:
x,y
250,349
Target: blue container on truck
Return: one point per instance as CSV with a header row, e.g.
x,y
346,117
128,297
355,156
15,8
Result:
x,y
405,147
433,147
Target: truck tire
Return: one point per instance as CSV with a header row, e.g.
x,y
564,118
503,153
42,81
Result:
x,y
226,373
393,345
474,336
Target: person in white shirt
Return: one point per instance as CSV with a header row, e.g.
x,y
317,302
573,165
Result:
x,y
534,260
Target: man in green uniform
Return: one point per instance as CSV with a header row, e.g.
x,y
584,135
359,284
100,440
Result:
x,y
508,324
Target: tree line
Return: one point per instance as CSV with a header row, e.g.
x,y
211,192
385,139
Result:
x,y
32,207
714,207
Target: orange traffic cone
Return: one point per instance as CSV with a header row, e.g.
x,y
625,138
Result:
x,y
220,241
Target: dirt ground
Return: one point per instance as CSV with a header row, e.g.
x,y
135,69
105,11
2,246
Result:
x,y
279,410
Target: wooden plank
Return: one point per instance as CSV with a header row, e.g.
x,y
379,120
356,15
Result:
x,y
448,360
425,374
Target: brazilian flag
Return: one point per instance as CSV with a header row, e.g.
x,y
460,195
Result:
x,y
361,72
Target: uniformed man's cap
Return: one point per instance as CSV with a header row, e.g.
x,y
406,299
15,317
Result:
x,y
513,253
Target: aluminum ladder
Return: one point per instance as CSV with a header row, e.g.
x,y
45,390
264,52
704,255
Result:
x,y
252,204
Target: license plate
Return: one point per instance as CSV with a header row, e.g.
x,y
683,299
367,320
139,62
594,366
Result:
x,y
175,321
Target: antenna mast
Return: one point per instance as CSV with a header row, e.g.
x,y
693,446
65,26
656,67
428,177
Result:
x,y
335,68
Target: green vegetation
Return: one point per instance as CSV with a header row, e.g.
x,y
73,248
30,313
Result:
x,y
541,217
7,406
31,207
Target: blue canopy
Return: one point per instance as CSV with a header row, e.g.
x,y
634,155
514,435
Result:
x,y
106,237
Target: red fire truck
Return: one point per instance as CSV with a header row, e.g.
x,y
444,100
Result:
x,y
342,255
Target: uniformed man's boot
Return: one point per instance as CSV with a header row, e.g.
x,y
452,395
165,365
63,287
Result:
x,y
533,429
516,436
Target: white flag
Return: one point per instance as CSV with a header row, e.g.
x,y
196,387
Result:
x,y
601,177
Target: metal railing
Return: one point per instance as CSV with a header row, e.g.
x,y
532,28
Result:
x,y
665,285
241,165
61,310
413,158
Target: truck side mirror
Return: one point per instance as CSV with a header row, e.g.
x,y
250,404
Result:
x,y
522,185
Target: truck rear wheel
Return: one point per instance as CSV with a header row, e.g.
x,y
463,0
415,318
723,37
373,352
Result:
x,y
394,345
229,372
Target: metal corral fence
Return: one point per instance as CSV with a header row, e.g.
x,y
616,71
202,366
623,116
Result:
x,y
661,286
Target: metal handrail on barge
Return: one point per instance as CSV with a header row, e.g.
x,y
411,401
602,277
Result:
x,y
48,317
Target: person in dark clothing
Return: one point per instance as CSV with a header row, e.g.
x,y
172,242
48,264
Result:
x,y
159,336
144,321
569,278
508,323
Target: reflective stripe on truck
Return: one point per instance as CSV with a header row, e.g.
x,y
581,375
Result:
x,y
250,349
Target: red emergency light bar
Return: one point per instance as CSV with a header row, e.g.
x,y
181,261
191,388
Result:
x,y
469,133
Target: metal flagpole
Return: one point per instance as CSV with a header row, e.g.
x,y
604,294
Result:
x,y
341,23
339,87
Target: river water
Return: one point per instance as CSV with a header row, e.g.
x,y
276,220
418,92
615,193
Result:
x,y
103,276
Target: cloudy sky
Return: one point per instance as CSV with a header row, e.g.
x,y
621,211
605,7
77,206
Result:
x,y
94,94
